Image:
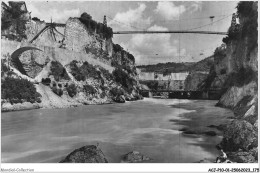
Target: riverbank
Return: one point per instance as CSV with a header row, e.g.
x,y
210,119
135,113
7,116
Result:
x,y
50,100
206,122
202,120
8,107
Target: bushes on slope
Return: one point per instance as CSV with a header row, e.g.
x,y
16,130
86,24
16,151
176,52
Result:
x,y
57,91
85,71
75,71
124,79
116,92
72,90
58,71
117,48
19,90
242,77
89,70
106,73
247,11
93,26
131,57
88,89
6,71
10,16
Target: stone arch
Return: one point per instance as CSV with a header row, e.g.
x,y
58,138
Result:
x,y
15,57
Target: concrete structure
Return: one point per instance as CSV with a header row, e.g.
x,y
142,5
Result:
x,y
159,76
145,75
172,81
206,95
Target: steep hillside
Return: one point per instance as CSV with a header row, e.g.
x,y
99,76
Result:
x,y
81,66
203,65
194,80
198,71
169,67
172,67
198,74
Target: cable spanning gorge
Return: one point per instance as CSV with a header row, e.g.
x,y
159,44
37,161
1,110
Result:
x,y
168,32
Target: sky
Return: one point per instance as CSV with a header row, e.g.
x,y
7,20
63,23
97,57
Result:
x,y
153,16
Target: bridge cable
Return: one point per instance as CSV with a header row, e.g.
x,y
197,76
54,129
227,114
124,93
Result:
x,y
165,21
208,24
179,50
132,26
124,23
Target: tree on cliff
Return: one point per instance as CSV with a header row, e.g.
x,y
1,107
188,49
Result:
x,y
13,15
124,79
86,16
94,26
249,12
248,15
19,90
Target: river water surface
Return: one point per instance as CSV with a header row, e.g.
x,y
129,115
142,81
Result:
x,y
150,126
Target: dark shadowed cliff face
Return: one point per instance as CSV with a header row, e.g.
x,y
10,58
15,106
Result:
x,y
194,80
241,57
239,71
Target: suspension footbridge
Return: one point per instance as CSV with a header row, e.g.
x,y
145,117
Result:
x,y
169,32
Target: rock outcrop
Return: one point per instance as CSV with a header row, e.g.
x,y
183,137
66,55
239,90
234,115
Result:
x,y
86,154
194,80
120,99
235,73
236,65
78,39
239,135
134,157
250,156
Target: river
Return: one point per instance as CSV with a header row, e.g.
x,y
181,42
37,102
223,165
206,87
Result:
x,y
150,126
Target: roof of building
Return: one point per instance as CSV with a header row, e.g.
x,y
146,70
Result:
x,y
160,76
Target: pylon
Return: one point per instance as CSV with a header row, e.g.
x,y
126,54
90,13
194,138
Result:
x,y
233,22
105,20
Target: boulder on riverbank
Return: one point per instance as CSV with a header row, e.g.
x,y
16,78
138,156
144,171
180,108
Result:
x,y
86,154
240,135
244,157
134,157
119,99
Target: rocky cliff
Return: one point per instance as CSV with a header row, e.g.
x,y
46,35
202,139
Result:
x,y
79,66
194,80
79,39
236,72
